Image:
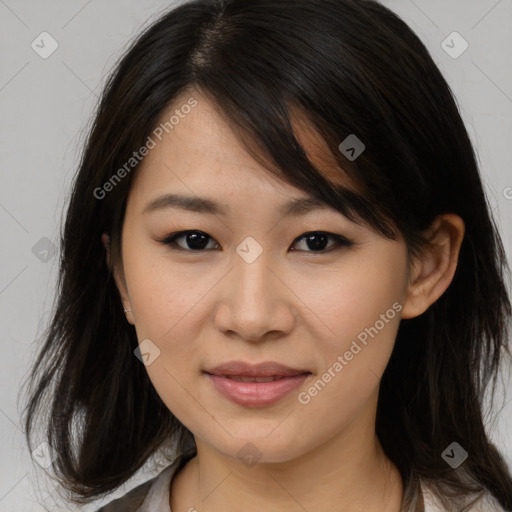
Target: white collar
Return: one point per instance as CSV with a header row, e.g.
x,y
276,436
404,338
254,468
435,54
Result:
x,y
157,499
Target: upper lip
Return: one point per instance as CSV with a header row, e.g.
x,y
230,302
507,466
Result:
x,y
263,369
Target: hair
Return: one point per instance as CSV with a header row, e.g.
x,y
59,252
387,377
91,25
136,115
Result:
x,y
351,67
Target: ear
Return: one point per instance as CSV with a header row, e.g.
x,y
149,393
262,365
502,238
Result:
x,y
118,277
432,272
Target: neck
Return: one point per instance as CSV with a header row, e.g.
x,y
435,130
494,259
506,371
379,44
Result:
x,y
349,472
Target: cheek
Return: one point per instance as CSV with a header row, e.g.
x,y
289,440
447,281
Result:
x,y
352,362
355,297
361,308
168,311
164,294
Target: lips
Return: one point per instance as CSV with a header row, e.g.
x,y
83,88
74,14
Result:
x,y
259,370
255,385
240,378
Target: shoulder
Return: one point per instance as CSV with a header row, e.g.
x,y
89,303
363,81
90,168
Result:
x,y
152,494
483,502
131,501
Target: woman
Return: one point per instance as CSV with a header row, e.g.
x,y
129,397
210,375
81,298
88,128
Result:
x,y
279,261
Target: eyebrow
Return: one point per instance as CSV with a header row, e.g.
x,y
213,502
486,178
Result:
x,y
300,206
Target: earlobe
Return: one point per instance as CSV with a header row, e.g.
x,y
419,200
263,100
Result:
x,y
433,271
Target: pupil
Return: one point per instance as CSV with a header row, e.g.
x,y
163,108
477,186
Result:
x,y
318,245
197,240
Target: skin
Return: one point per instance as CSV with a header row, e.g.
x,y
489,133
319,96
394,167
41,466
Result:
x,y
298,307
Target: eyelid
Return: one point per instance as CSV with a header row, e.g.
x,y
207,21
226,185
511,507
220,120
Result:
x,y
341,241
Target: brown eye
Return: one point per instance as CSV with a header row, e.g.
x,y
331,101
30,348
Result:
x,y
193,240
317,241
314,241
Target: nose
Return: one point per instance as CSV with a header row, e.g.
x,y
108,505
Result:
x,y
255,302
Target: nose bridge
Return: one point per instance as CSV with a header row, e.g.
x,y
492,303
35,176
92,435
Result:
x,y
253,281
255,301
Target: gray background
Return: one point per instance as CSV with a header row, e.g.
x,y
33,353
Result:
x,y
45,106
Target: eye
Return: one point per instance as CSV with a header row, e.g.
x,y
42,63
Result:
x,y
317,240
198,240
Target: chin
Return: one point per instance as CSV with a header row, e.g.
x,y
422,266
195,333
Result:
x,y
259,447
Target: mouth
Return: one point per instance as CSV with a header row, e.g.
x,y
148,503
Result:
x,y
255,385
240,378
257,370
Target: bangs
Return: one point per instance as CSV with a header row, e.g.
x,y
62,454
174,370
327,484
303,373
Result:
x,y
269,130
264,88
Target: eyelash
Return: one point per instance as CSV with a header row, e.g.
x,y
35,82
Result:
x,y
341,241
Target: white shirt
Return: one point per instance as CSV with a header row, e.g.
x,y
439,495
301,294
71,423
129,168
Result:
x,y
153,496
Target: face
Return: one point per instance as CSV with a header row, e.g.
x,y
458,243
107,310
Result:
x,y
311,291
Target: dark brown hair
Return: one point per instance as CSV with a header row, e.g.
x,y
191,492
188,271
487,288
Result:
x,y
352,67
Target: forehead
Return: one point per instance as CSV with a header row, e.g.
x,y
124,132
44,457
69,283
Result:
x,y
203,146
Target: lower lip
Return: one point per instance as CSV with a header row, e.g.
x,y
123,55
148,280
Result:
x,y
256,394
